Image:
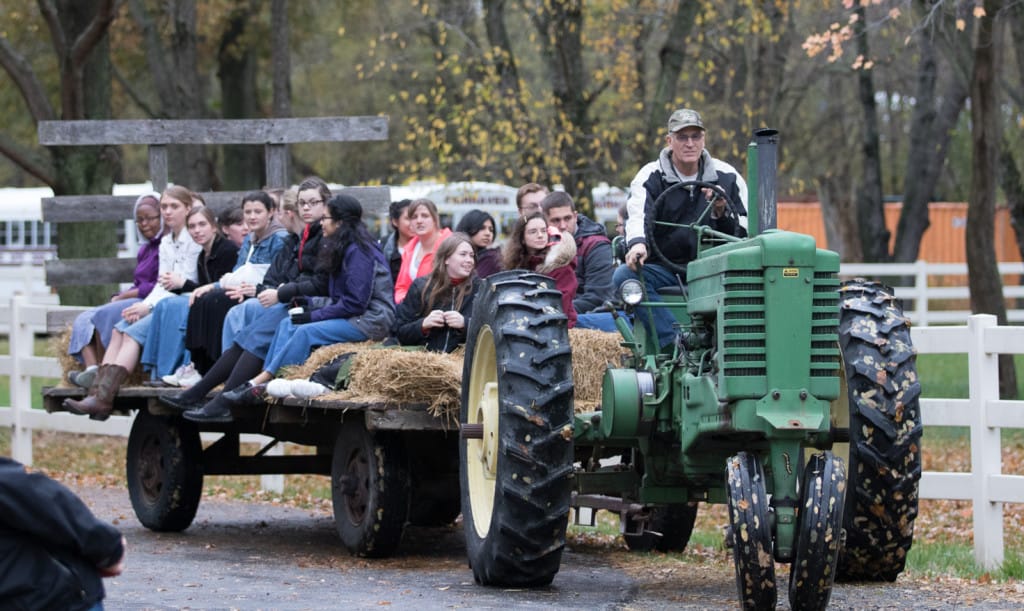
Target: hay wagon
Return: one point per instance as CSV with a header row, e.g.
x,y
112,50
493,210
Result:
x,y
390,464
388,440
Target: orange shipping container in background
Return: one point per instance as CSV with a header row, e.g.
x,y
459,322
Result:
x,y
943,242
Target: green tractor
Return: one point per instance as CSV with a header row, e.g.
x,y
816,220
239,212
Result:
x,y
788,397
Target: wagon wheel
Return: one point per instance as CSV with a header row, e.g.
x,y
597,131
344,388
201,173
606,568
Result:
x,y
164,470
819,533
369,490
752,534
668,530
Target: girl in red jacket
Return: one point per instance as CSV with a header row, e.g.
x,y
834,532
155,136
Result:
x,y
418,256
539,248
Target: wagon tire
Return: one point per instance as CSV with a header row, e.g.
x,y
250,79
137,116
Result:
x,y
669,529
164,471
369,490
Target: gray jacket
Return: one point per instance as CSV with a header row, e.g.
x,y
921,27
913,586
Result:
x,y
376,322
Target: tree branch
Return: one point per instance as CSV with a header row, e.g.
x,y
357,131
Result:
x,y
28,160
50,15
25,79
93,33
134,95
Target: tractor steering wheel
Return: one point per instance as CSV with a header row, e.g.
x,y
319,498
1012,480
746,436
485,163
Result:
x,y
649,219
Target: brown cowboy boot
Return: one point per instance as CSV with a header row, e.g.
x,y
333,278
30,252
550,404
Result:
x,y
100,401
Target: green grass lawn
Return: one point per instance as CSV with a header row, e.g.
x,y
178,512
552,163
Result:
x,y
42,348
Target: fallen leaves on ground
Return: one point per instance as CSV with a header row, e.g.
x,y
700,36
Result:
x,y
98,461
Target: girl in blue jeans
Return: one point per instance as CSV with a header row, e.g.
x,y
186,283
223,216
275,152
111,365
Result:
x,y
360,309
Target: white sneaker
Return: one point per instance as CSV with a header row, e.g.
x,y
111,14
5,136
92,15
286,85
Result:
x,y
186,375
85,377
301,389
279,388
191,377
305,389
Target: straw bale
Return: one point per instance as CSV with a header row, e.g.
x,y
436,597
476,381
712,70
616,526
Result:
x,y
397,376
321,356
58,345
592,352
408,376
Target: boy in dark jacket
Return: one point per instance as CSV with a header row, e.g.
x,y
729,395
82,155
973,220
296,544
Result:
x,y
53,551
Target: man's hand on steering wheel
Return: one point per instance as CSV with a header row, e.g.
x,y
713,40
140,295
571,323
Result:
x,y
636,256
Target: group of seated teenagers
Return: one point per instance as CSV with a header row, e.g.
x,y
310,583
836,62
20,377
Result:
x,y
304,271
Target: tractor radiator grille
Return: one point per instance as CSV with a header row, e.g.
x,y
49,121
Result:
x,y
825,328
743,324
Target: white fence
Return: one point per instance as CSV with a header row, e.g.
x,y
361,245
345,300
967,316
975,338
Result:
x,y
22,321
981,339
920,298
985,486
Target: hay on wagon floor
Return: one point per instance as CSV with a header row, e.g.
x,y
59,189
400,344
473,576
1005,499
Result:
x,y
58,345
393,375
401,376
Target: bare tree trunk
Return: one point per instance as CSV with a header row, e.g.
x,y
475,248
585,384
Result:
x,y
1013,187
237,66
874,237
281,58
840,217
531,159
671,57
501,46
560,29
931,127
921,171
180,88
983,273
79,33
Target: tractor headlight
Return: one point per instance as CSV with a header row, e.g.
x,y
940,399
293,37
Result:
x,y
632,292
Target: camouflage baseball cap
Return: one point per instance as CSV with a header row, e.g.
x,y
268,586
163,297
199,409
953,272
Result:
x,y
684,117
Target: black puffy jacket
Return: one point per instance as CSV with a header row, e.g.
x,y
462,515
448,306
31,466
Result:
x,y
50,544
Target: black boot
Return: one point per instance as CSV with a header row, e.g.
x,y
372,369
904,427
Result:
x,y
238,394
216,410
181,402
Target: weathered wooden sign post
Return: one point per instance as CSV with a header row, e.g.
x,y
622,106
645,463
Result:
x,y
274,134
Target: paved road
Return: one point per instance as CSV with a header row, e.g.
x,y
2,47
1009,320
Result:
x,y
238,555
260,556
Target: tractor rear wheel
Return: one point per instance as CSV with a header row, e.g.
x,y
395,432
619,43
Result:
x,y
516,465
884,466
752,547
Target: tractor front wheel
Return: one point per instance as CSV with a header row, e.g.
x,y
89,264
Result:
x,y
819,533
751,531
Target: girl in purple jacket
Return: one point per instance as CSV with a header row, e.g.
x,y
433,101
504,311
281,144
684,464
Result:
x,y
90,333
360,306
